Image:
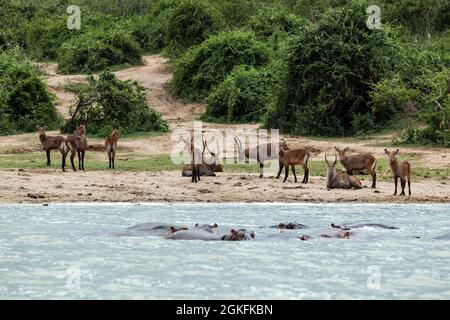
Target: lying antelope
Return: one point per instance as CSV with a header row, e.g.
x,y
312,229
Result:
x,y
336,180
50,143
292,158
363,161
75,144
261,156
207,167
111,147
400,170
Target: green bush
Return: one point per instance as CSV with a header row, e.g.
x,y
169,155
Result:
x,y
242,97
204,66
190,23
269,22
98,50
24,100
332,66
109,103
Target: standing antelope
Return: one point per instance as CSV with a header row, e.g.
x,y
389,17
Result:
x,y
207,167
261,156
111,147
75,144
400,170
50,143
82,145
196,158
363,161
342,180
291,158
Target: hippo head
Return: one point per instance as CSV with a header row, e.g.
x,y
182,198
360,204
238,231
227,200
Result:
x,y
206,226
238,235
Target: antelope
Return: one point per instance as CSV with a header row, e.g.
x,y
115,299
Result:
x,y
400,170
50,142
342,180
111,147
196,159
75,144
263,156
292,158
207,168
82,145
364,161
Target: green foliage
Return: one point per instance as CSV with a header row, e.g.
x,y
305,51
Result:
x,y
242,97
331,67
269,22
190,23
419,16
204,66
109,103
99,50
24,100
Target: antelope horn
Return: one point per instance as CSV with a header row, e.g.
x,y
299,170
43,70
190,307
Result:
x,y
335,159
218,148
326,160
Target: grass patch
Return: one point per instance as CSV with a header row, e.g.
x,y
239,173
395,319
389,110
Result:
x,y
129,161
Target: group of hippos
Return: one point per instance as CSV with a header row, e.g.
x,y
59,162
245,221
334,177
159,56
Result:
x,y
289,158
200,165
214,232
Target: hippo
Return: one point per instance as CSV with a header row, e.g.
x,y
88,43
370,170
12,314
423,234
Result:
x,y
331,233
443,237
349,226
289,226
208,235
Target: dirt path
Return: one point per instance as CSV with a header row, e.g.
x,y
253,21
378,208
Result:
x,y
169,186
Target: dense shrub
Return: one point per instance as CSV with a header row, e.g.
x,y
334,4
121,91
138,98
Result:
x,y
190,23
269,22
109,103
242,97
331,67
99,50
24,99
204,66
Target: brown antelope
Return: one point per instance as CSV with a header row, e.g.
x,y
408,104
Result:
x,y
342,180
111,147
363,161
292,158
264,152
75,144
208,167
196,156
82,145
400,170
50,143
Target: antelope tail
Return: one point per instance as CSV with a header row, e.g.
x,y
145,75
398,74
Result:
x,y
374,165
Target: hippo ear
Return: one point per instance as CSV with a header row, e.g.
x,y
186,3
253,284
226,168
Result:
x,y
252,234
215,225
196,225
233,231
173,230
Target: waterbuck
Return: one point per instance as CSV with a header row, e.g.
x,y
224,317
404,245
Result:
x,y
363,161
196,157
111,147
50,143
75,144
208,167
263,152
292,158
336,180
400,170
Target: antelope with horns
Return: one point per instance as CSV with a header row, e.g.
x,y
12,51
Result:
x,y
75,144
111,147
363,161
400,170
50,143
208,167
336,180
292,158
263,152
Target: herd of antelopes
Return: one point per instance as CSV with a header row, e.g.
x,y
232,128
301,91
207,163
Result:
x,y
76,144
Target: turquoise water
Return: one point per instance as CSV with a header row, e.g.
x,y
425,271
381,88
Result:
x,y
67,252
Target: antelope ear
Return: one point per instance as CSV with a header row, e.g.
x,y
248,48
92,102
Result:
x,y
397,151
336,148
347,149
386,151
45,128
37,127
